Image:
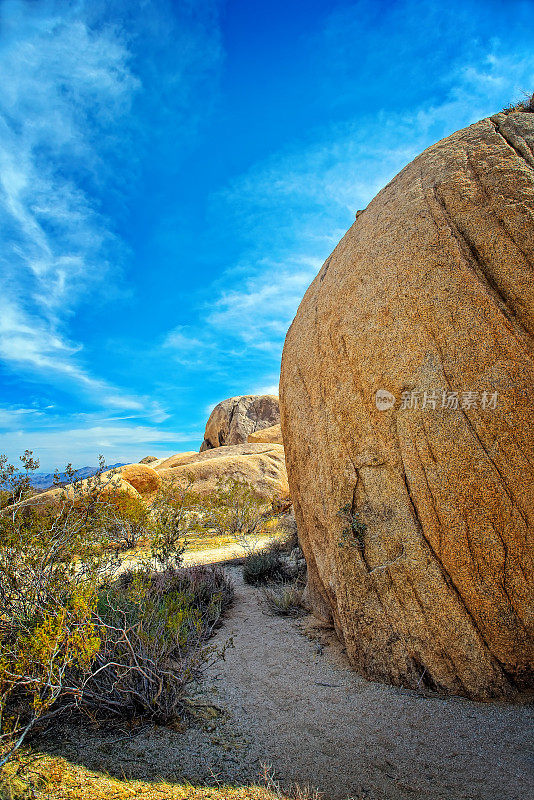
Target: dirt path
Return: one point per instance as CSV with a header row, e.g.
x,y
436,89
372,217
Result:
x,y
318,723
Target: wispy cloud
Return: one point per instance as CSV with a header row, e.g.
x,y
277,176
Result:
x,y
64,86
124,443
104,129
87,435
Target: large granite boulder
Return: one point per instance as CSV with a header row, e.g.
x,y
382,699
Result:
x,y
407,403
142,477
234,419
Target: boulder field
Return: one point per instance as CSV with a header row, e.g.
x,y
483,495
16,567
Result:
x,y
260,465
224,455
407,406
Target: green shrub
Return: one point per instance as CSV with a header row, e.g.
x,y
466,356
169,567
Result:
x,y
128,521
353,534
70,640
264,565
177,512
237,510
153,629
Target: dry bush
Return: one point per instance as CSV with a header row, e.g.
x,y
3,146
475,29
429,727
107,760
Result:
x,y
295,792
236,510
281,561
153,629
51,560
526,105
15,483
129,521
177,512
70,636
284,600
262,566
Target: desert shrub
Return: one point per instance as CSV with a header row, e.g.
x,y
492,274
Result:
x,y
153,630
236,510
128,521
264,565
281,560
50,563
5,498
70,636
15,482
526,105
177,512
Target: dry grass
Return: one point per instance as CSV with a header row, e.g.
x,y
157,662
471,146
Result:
x,y
525,105
284,600
50,778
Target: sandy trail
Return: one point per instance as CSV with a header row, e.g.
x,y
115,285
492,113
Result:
x,y
318,723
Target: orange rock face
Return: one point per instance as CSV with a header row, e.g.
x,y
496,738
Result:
x,y
143,478
416,511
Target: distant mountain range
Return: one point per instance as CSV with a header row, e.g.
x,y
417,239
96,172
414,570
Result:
x,y
44,480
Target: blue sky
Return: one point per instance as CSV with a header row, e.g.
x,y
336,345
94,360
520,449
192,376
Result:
x,y
173,174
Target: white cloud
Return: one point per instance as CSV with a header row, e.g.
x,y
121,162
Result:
x,y
272,389
81,444
73,129
15,417
64,86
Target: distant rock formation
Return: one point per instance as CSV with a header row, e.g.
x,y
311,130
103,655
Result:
x,y
148,459
133,479
407,400
272,435
234,419
142,477
262,466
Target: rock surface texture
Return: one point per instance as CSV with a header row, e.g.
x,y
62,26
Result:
x,y
143,478
272,435
233,420
427,572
